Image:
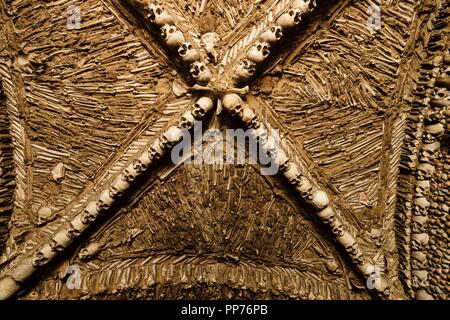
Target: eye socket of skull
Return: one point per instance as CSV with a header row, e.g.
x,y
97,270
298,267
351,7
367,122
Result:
x,y
182,50
202,68
158,11
259,47
171,29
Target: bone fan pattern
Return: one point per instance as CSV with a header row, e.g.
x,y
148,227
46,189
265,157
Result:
x,y
208,83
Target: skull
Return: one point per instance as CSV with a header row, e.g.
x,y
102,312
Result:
x,y
419,224
422,188
281,160
249,117
422,294
142,163
381,285
186,121
270,145
419,259
258,52
159,16
259,133
433,132
244,70
154,151
172,36
429,151
89,251
201,107
44,255
105,201
329,218
200,72
188,53
320,200
23,270
305,189
44,214
272,35
419,240
170,137
420,278
293,173
425,171
60,241
346,240
89,213
118,187
132,171
302,5
289,19
233,104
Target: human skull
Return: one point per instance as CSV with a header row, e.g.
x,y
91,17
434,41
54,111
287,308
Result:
x,y
142,163
429,151
233,104
419,278
258,52
155,151
89,251
23,270
419,224
187,120
170,137
293,173
201,107
425,171
270,145
419,240
249,117
419,259
305,189
422,294
281,160
200,72
89,213
320,200
172,36
131,172
259,133
44,214
422,188
289,19
43,256
104,201
421,206
346,240
159,16
433,132
118,187
244,70
381,285
272,35
60,241
188,53
302,5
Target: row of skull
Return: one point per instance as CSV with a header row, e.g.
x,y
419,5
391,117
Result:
x,y
319,199
175,40
419,225
63,237
260,49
